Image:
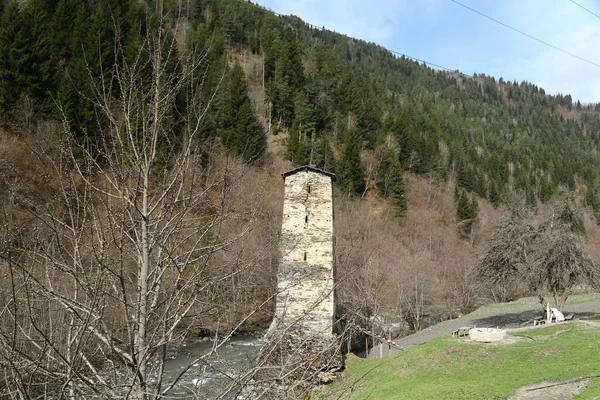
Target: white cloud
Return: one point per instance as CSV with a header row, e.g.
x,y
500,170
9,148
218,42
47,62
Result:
x,y
447,34
570,28
374,21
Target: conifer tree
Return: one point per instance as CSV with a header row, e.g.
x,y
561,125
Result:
x,y
9,54
248,143
102,38
546,190
530,199
79,34
74,89
591,199
234,96
466,208
465,178
323,156
462,204
292,61
349,169
238,127
474,208
396,187
25,67
402,131
292,146
494,195
281,95
36,64
62,26
300,143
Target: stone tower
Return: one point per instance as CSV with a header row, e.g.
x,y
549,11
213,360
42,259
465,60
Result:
x,y
300,343
306,292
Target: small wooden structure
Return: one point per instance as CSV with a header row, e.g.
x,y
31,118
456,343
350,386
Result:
x,y
462,331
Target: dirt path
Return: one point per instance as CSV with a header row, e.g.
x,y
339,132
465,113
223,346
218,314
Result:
x,y
505,315
551,390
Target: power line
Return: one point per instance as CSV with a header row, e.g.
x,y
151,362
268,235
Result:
x,y
385,48
470,9
591,12
526,34
425,61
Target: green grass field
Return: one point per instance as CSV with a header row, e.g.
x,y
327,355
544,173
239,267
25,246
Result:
x,y
449,368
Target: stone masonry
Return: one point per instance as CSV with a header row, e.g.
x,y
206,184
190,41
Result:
x,y
306,293
301,347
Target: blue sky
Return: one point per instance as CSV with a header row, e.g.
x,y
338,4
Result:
x,y
444,33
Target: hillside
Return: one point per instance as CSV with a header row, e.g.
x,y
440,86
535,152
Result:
x,y
141,152
557,359
492,136
419,124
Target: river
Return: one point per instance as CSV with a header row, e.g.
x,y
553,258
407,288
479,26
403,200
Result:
x,y
211,376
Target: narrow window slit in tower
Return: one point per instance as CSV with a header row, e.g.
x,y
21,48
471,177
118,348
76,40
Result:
x,y
304,256
306,219
308,188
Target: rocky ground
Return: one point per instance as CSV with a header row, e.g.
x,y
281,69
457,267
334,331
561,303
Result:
x,y
551,390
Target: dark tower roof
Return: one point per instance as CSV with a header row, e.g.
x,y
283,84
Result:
x,y
308,168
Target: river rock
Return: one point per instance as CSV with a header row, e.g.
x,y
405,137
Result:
x,y
325,377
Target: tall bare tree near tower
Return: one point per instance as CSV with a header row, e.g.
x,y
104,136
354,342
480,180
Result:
x,y
105,276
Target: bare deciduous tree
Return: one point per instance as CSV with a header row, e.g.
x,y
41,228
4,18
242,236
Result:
x,y
547,256
564,264
102,279
507,257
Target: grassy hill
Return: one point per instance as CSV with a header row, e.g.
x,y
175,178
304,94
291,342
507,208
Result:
x,y
448,367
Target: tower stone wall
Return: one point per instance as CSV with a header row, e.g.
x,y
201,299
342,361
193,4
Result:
x,y
306,294
301,348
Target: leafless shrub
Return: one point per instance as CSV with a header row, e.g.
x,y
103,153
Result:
x,y
411,271
538,256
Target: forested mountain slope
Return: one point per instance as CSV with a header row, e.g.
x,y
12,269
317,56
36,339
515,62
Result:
x,y
493,136
331,91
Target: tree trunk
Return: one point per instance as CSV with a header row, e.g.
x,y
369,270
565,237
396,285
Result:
x,y
560,297
140,343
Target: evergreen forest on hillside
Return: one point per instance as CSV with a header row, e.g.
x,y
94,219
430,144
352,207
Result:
x,y
336,95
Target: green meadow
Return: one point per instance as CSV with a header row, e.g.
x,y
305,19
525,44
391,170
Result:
x,y
453,368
